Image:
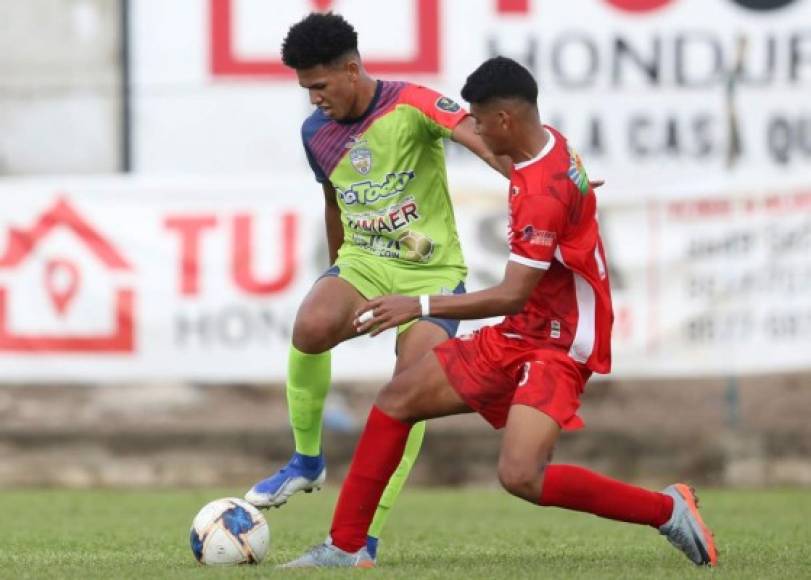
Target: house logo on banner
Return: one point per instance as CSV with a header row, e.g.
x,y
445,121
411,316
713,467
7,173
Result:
x,y
33,265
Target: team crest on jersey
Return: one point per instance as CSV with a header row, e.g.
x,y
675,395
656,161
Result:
x,y
447,105
360,156
577,173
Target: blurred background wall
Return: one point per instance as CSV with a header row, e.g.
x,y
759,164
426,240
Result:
x,y
60,95
159,226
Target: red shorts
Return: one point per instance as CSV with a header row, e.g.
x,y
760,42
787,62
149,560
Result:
x,y
492,372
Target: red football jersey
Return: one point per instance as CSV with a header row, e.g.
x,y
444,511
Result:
x,y
553,226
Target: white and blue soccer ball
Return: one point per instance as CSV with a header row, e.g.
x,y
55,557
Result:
x,y
229,531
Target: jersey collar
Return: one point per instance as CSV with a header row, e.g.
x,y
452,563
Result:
x,y
368,110
546,149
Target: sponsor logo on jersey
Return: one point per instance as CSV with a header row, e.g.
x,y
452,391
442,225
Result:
x,y
381,246
411,246
415,246
447,105
385,221
538,237
577,173
360,156
366,192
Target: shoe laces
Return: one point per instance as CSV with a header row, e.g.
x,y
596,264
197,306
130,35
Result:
x,y
318,548
678,536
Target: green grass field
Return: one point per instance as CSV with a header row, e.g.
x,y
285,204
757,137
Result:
x,y
433,533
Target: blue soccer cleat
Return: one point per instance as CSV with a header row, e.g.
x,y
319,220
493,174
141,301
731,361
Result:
x,y
327,555
686,530
302,473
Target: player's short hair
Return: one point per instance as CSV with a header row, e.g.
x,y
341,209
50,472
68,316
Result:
x,y
500,77
318,39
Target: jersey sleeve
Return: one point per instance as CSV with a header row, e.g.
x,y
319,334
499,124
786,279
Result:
x,y
537,223
308,130
439,114
320,176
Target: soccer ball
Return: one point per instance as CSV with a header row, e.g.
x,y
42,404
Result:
x,y
229,531
415,247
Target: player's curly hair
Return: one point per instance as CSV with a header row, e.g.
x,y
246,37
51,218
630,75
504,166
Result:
x,y
500,77
318,39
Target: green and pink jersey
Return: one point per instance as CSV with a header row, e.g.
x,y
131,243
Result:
x,y
388,169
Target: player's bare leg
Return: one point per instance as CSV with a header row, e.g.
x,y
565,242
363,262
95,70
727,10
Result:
x,y
529,438
324,320
419,392
523,470
412,345
325,316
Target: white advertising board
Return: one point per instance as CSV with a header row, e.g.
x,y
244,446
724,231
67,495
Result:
x,y
652,93
127,279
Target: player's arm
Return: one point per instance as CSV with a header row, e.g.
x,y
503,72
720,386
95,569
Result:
x,y
465,134
508,297
332,220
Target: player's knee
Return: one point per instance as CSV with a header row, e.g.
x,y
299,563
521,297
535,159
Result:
x,y
313,333
394,399
519,478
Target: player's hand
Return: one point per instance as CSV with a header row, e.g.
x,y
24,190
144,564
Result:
x,y
596,183
386,312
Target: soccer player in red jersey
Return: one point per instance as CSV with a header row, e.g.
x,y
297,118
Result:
x,y
525,374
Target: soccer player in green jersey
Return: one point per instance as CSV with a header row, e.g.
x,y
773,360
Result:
x,y
376,148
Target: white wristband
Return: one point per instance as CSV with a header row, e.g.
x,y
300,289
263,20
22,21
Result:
x,y
425,305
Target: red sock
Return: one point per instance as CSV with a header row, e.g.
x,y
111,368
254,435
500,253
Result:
x,y
575,488
377,455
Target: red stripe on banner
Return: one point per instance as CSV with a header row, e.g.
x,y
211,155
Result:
x,y
121,339
225,62
322,5
513,6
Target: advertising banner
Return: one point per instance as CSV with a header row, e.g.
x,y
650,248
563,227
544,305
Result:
x,y
127,279
652,93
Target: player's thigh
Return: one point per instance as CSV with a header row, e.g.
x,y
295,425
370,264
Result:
x,y
416,338
528,442
419,339
325,316
421,391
